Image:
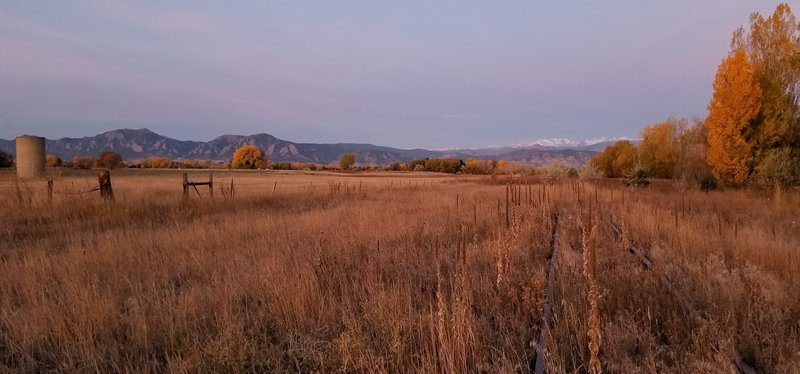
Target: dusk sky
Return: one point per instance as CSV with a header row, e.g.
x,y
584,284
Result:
x,y
407,74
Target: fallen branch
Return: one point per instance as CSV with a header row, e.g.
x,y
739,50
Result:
x,y
741,366
547,318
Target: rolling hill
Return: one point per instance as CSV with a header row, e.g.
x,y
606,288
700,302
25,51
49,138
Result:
x,y
138,144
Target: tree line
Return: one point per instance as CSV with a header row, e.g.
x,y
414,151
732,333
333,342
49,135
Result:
x,y
251,157
751,136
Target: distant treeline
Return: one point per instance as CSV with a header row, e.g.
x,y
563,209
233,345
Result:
x,y
751,137
249,157
471,166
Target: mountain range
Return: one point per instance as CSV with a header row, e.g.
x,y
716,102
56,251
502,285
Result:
x,y
138,144
591,144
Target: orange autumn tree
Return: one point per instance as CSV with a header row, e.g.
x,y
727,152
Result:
x,y
662,147
53,161
248,157
617,159
735,103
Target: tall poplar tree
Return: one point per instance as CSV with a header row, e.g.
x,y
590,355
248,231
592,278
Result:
x,y
734,105
773,47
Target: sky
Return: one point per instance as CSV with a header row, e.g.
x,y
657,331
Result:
x,y
431,74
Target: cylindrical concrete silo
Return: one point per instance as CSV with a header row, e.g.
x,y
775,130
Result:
x,y
30,156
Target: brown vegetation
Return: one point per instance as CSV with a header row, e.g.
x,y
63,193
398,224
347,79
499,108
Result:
x,y
318,272
109,160
53,161
81,162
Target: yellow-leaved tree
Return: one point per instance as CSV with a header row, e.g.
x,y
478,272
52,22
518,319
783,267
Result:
x,y
661,149
248,157
617,159
773,46
347,160
735,103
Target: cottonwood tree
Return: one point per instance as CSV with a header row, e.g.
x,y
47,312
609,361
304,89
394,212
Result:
x,y
478,166
248,157
81,162
662,148
347,160
694,146
734,105
617,159
109,160
157,163
773,46
53,161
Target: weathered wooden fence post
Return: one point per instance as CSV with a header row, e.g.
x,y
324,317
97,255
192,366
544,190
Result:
x,y
475,212
508,189
104,179
185,185
50,190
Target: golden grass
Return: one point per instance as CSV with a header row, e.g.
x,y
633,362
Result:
x,y
590,272
387,273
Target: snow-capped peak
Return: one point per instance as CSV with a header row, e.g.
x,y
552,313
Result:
x,y
566,142
604,139
550,142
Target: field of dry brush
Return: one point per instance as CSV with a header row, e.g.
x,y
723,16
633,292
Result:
x,y
407,272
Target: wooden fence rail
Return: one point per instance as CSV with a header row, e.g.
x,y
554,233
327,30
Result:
x,y
187,184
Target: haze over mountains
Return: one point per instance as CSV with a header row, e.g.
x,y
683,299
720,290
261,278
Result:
x,y
137,144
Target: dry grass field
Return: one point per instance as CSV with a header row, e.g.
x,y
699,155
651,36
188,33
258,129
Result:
x,y
407,272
